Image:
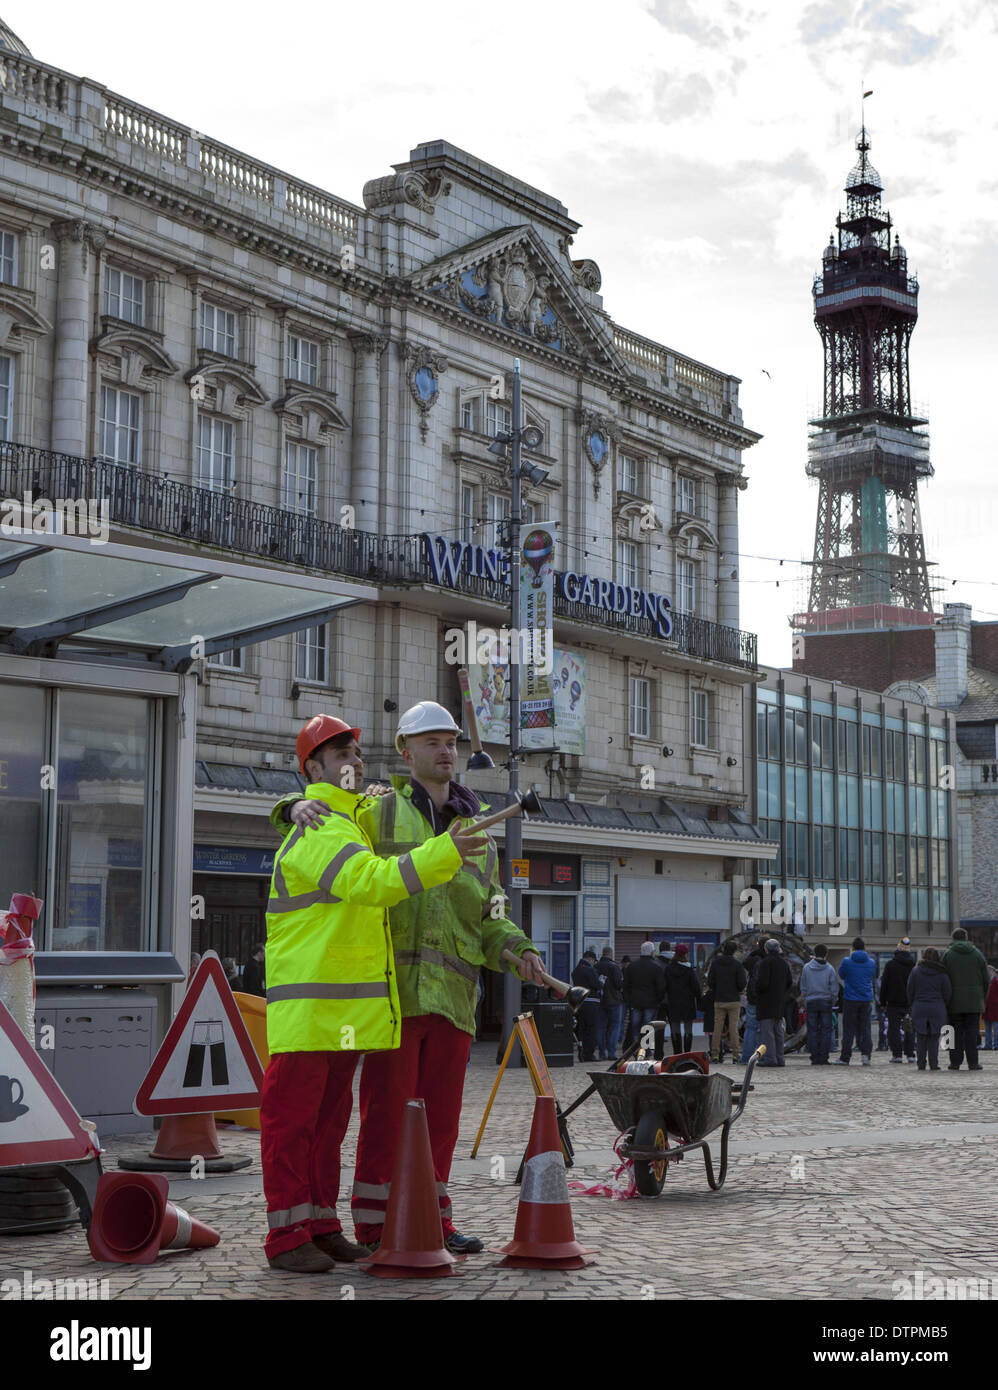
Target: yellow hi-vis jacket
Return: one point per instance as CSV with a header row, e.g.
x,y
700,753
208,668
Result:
x,y
444,937
330,973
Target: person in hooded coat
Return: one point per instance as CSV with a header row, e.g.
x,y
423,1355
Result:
x,y
929,991
682,990
968,973
894,998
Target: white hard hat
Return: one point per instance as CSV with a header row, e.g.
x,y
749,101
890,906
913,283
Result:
x,y
425,718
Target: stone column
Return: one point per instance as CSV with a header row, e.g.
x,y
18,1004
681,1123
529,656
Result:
x,y
727,539
71,368
366,429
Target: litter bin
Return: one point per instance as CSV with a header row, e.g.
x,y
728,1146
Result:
x,y
554,1028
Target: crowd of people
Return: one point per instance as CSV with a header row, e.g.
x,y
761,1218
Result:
x,y
914,1002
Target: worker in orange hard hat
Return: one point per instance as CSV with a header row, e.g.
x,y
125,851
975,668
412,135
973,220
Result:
x,y
331,990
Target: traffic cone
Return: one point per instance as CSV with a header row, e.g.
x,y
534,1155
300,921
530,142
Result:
x,y
412,1242
544,1237
133,1221
181,1140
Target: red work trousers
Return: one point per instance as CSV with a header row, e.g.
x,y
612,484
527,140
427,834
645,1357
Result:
x,y
430,1064
304,1113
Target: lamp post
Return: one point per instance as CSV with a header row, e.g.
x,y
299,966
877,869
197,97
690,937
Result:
x,y
516,437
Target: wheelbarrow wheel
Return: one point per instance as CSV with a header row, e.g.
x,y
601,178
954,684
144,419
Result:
x,y
649,1178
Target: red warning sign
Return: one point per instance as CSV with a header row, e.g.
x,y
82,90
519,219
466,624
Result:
x,y
206,1062
37,1121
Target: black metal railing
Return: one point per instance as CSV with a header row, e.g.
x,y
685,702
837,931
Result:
x,y
206,516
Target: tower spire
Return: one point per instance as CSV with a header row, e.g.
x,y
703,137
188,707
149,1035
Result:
x,y
869,566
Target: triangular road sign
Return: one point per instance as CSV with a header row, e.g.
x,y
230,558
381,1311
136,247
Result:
x,y
206,1061
37,1122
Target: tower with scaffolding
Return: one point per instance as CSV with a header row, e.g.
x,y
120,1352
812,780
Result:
x,y
868,448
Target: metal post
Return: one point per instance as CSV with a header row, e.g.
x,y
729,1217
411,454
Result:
x,y
514,831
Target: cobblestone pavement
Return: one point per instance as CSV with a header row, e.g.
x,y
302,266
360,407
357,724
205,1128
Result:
x,y
841,1182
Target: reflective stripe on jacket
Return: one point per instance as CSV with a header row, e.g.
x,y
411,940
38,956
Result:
x,y
330,977
443,937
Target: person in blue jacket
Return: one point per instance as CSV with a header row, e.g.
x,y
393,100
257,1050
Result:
x,y
857,973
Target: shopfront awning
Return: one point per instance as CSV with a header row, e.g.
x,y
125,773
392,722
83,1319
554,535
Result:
x,y
165,606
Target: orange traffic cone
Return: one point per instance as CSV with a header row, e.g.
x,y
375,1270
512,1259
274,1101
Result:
x,y
133,1221
182,1139
412,1242
544,1237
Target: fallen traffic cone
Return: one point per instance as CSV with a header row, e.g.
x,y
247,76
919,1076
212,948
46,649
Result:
x,y
133,1221
412,1242
544,1237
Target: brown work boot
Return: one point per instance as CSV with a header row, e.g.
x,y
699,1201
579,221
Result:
x,y
337,1247
303,1259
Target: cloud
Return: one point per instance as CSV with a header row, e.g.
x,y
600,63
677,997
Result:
x,y
679,17
910,45
689,96
821,22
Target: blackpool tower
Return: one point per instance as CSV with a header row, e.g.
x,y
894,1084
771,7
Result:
x,y
867,449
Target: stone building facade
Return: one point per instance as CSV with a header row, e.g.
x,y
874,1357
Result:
x,y
240,364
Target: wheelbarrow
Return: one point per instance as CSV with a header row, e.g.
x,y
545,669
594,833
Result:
x,y
688,1105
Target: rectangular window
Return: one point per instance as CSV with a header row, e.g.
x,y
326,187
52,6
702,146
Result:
x,y
216,462
498,418
802,849
303,360
849,854
124,296
700,718
871,751
232,660
310,655
686,586
218,330
470,411
686,495
301,478
640,707
468,511
627,564
627,474
101,880
8,258
120,427
6,397
760,733
848,747
496,511
773,722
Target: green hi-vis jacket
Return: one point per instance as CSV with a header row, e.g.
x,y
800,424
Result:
x,y
331,983
444,936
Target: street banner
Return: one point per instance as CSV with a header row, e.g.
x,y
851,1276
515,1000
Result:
x,y
489,685
570,702
537,618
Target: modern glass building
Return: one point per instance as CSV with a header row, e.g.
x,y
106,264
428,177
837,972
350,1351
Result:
x,y
859,791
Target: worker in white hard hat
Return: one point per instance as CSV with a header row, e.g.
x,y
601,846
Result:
x,y
440,947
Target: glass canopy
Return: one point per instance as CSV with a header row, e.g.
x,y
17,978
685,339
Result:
x,y
60,588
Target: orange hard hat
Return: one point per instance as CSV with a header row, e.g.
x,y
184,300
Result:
x,y
319,729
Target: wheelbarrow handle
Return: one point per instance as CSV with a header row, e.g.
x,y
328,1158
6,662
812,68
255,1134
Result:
x,y
757,1056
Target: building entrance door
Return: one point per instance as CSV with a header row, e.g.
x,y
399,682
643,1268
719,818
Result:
x,y
235,917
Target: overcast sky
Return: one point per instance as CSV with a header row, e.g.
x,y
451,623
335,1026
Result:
x,y
702,144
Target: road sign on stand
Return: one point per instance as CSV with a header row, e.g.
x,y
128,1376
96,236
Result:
x,y
38,1123
206,1061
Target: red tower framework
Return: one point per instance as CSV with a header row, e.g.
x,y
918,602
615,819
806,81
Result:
x,y
866,450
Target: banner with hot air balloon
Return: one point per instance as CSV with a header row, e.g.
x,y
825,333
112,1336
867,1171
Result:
x,y
570,702
537,618
489,681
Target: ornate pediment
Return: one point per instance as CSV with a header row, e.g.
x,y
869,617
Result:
x,y
19,320
693,536
315,409
512,281
233,385
138,350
